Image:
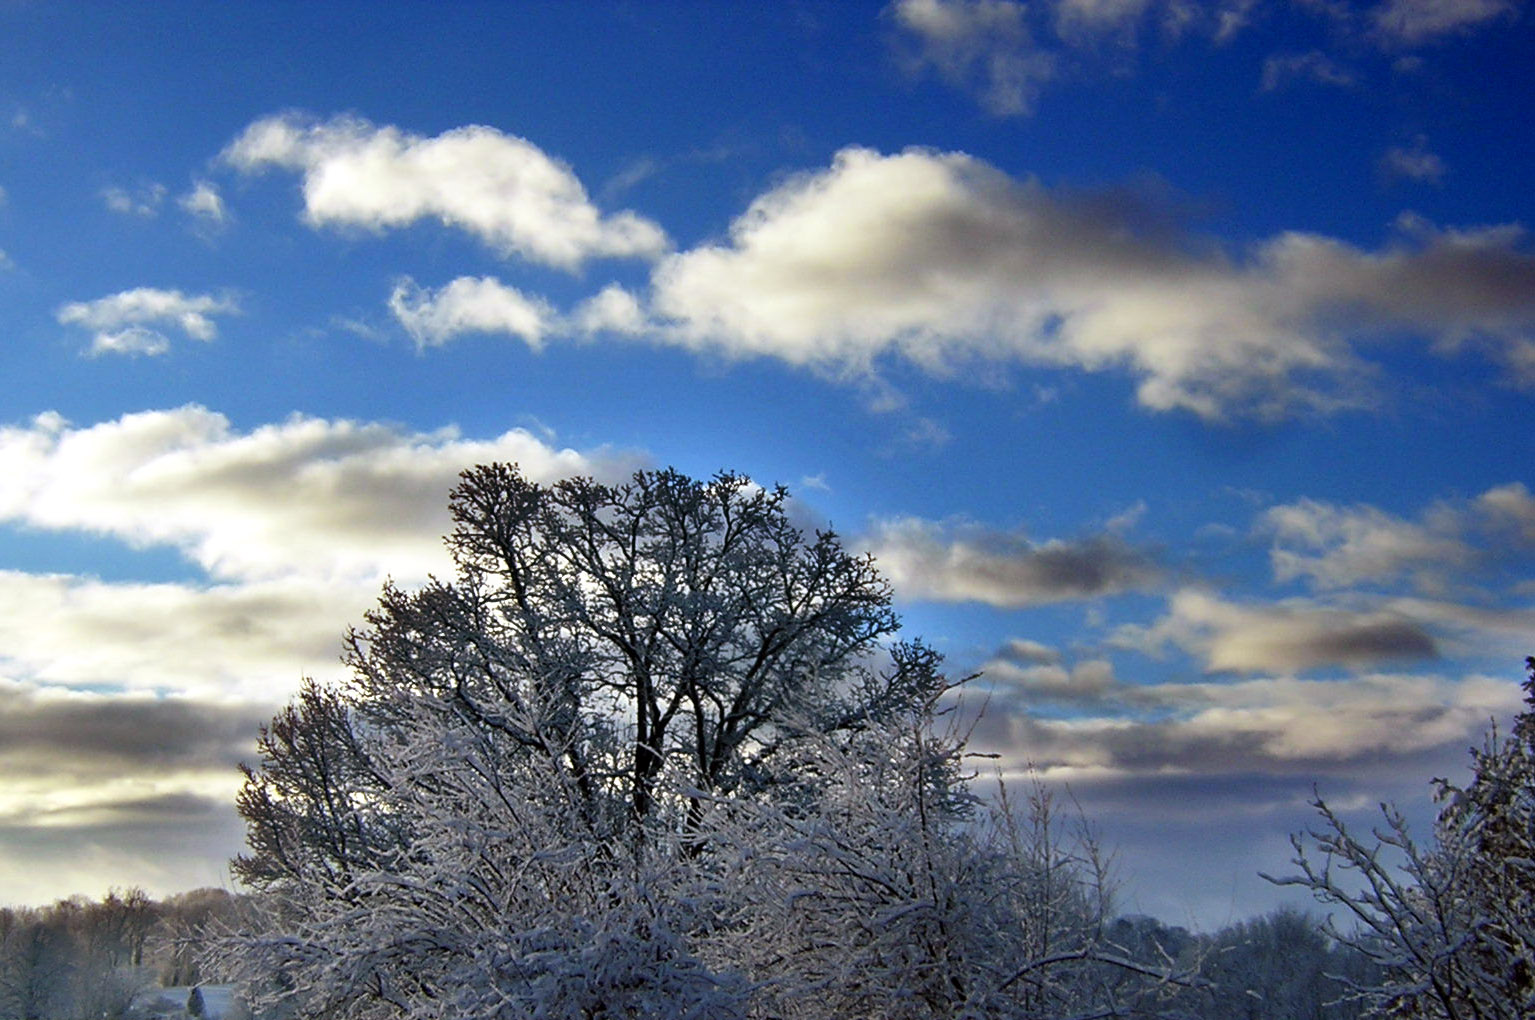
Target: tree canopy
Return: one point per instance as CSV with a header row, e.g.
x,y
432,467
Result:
x,y
652,752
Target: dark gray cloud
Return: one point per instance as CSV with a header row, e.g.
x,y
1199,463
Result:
x,y
1370,642
1291,636
82,735
958,562
1023,652
1272,725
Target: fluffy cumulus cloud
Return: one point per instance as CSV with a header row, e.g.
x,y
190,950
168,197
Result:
x,y
944,260
469,304
611,310
308,496
980,45
956,562
502,189
132,321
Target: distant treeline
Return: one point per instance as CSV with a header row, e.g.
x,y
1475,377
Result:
x,y
82,959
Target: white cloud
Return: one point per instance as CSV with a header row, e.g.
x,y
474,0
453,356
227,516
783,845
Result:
x,y
123,706
1309,719
311,497
123,321
944,260
967,563
611,310
1004,53
980,45
1024,652
1231,18
1342,546
1511,506
498,187
144,200
132,341
1501,631
469,304
1335,546
1414,22
205,205
926,434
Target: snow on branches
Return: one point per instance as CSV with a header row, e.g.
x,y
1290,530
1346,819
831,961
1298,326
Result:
x,y
653,752
1451,923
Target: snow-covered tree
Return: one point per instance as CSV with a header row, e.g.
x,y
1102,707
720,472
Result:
x,y
885,888
37,966
1451,923
651,753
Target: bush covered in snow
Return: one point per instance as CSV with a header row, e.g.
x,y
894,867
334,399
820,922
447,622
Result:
x,y
1451,924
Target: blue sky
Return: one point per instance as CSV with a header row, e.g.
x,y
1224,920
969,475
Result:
x,y
1175,360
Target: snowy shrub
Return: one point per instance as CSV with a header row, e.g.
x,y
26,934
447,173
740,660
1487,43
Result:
x,y
1450,923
